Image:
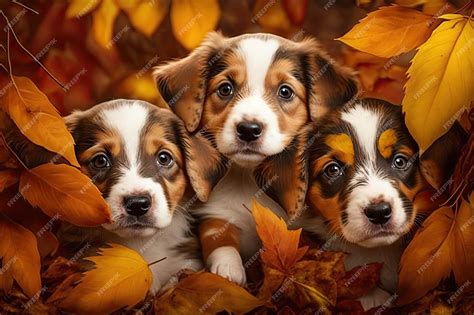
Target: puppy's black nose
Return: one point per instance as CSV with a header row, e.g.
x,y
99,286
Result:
x,y
137,205
249,131
378,213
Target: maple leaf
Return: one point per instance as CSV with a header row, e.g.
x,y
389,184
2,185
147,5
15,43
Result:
x,y
207,293
431,100
20,257
281,246
121,278
38,119
60,189
400,30
192,20
271,16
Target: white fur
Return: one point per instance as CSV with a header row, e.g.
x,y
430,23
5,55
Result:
x,y
365,123
258,54
226,202
359,230
225,261
128,120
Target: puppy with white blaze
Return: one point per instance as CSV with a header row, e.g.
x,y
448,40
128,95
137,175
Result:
x,y
354,179
142,160
251,94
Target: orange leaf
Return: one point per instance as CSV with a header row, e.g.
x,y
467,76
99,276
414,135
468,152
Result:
x,y
462,248
19,256
38,119
358,281
296,10
426,261
8,178
207,293
280,245
103,21
400,29
59,189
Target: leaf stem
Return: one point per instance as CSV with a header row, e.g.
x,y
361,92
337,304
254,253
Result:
x,y
156,261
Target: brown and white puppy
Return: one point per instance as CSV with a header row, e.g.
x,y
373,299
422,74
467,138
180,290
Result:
x,y
251,93
358,168
141,158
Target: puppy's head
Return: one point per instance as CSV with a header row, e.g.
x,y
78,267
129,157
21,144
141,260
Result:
x,y
358,168
141,157
253,92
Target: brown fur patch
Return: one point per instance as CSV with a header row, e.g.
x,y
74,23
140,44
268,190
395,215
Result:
x,y
329,208
215,233
343,146
386,143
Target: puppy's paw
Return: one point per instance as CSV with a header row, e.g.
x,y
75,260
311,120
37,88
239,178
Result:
x,y
376,298
226,262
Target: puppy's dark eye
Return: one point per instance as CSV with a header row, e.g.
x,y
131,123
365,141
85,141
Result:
x,y
164,159
400,161
225,90
100,161
333,170
285,92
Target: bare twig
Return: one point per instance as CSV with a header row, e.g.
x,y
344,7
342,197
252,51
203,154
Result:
x,y
10,28
25,6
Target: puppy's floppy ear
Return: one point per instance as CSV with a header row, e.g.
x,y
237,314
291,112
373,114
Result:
x,y
205,165
331,85
437,163
284,177
183,83
72,121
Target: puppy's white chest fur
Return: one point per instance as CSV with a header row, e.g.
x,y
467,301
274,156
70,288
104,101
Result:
x,y
231,200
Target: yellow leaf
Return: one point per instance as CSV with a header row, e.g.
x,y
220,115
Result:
x,y
139,87
400,29
271,15
78,8
441,80
8,178
38,119
192,20
205,293
103,20
462,248
410,3
426,260
280,245
437,7
121,278
20,257
59,189
146,15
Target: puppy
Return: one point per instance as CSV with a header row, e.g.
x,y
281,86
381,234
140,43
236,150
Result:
x,y
141,158
358,169
252,94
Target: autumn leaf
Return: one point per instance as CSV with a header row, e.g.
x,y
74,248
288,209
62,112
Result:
x,y
281,246
145,15
358,281
143,88
462,254
38,119
121,278
400,30
271,15
192,20
8,178
296,10
59,189
440,82
207,293
103,20
20,257
426,260
78,8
